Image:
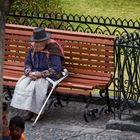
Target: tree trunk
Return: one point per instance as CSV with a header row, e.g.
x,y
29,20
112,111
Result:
x,y
2,22
4,7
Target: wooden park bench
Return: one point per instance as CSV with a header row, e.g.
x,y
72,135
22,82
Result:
x,y
89,59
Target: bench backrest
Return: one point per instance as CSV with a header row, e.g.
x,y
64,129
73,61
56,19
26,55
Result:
x,y
84,52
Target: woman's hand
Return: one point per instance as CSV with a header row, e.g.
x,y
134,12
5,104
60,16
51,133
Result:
x,y
38,74
35,75
32,76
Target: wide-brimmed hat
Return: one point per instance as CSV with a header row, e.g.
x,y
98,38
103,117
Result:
x,y
39,34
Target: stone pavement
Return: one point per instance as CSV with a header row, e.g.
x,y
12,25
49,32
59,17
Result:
x,y
67,123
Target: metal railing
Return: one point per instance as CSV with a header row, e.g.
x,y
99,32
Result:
x,y
76,22
127,74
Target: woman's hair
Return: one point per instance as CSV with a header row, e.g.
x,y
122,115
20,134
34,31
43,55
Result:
x,y
18,121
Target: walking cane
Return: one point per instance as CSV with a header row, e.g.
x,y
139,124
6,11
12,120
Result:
x,y
54,84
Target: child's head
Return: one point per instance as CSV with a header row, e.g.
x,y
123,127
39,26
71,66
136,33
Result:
x,y
16,127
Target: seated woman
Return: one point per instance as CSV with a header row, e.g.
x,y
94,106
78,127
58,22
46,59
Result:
x,y
44,59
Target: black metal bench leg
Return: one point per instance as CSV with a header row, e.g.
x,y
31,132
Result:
x,y
108,101
90,114
59,103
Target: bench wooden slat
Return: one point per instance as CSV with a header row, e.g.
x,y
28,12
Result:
x,y
72,91
16,32
15,48
12,43
11,78
89,72
16,68
9,83
88,62
29,28
85,39
89,57
85,45
17,72
18,59
23,38
89,52
75,85
14,64
86,81
55,31
88,67
10,53
89,77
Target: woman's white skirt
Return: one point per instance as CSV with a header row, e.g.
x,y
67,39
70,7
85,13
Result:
x,y
30,95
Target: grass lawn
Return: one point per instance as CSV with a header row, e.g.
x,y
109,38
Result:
x,y
124,9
